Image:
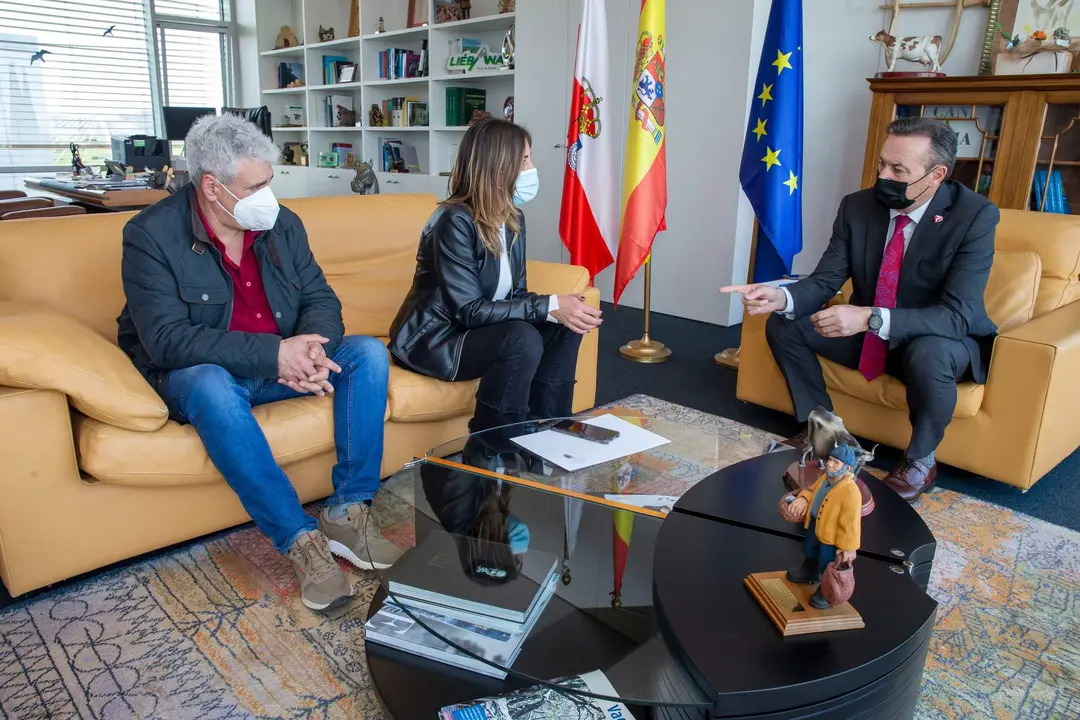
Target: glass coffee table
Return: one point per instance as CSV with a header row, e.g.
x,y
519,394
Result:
x,y
582,541
634,568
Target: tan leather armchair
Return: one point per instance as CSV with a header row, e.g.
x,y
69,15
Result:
x,y
1019,425
91,470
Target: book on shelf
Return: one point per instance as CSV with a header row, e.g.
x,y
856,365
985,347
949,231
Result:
x,y
395,627
397,63
539,701
461,102
332,65
404,112
1056,202
433,573
290,75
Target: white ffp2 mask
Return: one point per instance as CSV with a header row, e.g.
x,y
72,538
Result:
x,y
257,211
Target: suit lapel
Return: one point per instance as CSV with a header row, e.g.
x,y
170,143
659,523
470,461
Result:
x,y
877,228
922,240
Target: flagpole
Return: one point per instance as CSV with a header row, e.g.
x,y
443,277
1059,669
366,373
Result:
x,y
730,357
646,350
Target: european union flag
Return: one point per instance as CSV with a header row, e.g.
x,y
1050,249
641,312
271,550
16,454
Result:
x,y
771,172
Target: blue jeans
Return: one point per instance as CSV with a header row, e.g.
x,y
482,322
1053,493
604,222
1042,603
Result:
x,y
815,549
218,406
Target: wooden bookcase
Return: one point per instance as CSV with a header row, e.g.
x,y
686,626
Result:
x,y
1013,129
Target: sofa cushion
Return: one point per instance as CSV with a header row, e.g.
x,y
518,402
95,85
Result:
x,y
419,398
296,429
1013,288
890,392
1056,239
44,349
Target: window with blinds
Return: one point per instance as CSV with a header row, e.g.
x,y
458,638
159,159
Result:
x,y
71,71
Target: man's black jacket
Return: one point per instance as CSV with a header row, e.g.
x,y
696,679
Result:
x,y
180,299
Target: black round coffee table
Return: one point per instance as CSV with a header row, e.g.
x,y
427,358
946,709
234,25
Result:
x,y
727,527
701,637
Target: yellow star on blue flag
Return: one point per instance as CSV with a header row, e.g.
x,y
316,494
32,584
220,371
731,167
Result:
x,y
772,185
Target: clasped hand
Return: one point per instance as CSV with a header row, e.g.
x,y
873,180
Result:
x,y
576,314
303,365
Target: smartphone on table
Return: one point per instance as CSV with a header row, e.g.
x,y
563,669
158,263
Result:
x,y
585,431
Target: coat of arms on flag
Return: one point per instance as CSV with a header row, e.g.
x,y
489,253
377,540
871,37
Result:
x,y
588,121
649,90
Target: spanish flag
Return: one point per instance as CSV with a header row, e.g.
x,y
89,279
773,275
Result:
x,y
644,200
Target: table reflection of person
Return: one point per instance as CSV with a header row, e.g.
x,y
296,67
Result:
x,y
475,509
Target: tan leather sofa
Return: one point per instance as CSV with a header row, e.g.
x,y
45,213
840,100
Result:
x,y
1020,424
91,471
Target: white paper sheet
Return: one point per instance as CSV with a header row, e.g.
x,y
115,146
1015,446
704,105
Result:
x,y
572,453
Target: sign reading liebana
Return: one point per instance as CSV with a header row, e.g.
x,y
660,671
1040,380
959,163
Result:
x,y
478,59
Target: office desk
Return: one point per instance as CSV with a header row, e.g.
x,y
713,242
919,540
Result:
x,y
107,200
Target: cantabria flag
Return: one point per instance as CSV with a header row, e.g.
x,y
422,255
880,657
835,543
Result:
x,y
644,201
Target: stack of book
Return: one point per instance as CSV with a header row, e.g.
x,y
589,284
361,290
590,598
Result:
x,y
543,701
432,600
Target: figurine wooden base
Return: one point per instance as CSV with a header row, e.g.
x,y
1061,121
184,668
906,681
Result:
x,y
799,478
788,606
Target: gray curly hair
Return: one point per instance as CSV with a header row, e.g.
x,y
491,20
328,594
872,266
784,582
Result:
x,y
217,143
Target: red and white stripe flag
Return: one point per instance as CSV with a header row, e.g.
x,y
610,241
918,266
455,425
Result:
x,y
589,220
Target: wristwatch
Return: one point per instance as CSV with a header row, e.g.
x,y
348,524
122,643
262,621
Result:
x,y
874,323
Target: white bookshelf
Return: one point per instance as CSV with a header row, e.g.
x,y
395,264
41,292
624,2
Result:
x,y
435,144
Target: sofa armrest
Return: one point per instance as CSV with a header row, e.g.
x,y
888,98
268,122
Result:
x,y
546,278
46,350
1034,386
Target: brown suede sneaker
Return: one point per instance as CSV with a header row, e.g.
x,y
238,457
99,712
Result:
x,y
356,538
322,583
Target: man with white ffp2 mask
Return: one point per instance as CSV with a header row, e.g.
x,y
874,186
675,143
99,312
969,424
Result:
x,y
228,309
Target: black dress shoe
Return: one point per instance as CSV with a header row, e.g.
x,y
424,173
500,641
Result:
x,y
818,601
805,574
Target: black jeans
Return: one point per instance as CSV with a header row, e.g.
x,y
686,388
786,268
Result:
x,y
930,366
526,371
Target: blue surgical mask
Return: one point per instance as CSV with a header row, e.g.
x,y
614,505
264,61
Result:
x,y
518,535
526,187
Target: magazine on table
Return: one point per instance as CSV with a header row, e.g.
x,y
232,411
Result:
x,y
393,627
543,703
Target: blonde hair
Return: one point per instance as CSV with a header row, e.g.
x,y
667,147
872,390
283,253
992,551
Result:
x,y
485,171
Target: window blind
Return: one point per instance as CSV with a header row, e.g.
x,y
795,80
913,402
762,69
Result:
x,y
201,9
71,71
191,67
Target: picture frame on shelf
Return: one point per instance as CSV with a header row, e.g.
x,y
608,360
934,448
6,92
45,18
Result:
x,y
346,72
419,13
448,11
1024,18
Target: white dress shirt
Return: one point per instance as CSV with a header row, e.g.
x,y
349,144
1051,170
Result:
x,y
506,278
915,216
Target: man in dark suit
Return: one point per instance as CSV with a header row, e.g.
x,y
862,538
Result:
x,y
918,249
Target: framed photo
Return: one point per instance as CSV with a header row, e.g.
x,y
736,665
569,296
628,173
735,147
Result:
x,y
347,72
1025,18
419,13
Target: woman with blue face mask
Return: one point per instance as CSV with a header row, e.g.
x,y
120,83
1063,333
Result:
x,y
469,313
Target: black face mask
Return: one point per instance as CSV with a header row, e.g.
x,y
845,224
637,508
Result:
x,y
893,193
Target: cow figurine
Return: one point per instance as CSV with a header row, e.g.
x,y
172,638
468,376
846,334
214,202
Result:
x,y
923,50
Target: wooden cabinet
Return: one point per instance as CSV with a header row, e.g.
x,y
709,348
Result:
x,y
1018,135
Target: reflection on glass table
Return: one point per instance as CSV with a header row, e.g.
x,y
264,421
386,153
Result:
x,y
516,566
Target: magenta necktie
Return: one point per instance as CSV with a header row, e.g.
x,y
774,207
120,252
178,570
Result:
x,y
874,349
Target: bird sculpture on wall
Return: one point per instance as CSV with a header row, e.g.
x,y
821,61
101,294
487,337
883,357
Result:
x,y
39,55
108,31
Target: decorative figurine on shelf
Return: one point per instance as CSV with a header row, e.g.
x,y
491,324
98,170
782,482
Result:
x,y
326,35
506,6
382,27
448,11
375,116
365,182
346,117
301,154
466,9
508,48
508,108
354,18
924,50
77,166
831,512
286,38
478,115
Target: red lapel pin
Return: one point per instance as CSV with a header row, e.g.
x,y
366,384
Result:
x,y
938,218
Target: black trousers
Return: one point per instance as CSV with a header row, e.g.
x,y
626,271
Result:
x,y
929,366
526,371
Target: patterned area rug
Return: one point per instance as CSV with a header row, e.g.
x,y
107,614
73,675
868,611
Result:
x,y
216,630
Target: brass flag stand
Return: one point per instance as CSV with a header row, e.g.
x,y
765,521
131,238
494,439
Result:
x,y
646,350
730,357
